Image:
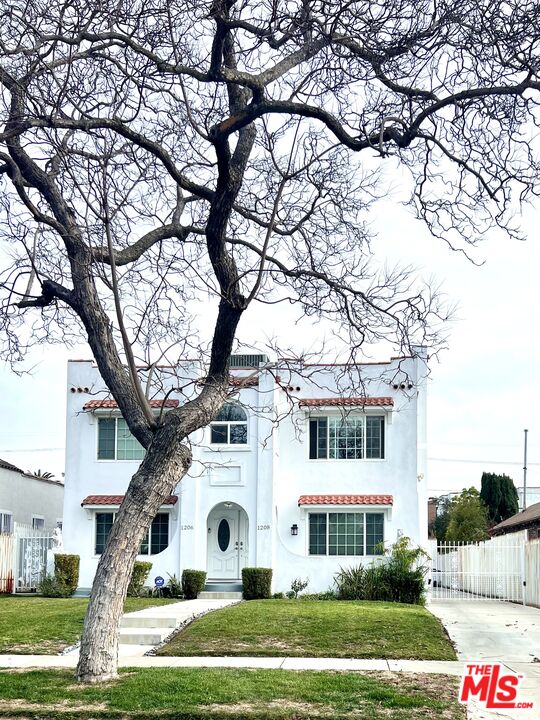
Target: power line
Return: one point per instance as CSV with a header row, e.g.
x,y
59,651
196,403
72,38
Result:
x,y
24,450
491,461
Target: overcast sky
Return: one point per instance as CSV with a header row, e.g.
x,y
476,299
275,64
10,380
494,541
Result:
x,y
483,391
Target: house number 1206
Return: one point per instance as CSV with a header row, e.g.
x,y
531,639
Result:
x,y
263,527
187,527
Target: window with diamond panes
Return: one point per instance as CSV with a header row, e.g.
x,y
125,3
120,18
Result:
x,y
317,534
230,426
115,441
346,438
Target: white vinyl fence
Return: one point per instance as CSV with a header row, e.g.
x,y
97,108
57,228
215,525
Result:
x,y
532,573
7,556
503,568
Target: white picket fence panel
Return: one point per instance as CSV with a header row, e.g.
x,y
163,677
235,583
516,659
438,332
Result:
x,y
497,569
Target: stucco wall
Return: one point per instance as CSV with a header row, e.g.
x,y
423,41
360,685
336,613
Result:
x,y
25,496
265,478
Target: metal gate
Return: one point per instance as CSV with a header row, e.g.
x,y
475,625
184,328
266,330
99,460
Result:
x,y
492,569
32,547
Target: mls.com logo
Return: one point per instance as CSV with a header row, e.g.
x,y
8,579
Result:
x,y
492,685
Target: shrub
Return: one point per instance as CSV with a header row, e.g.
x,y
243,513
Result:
x,y
400,579
290,594
65,579
350,583
174,587
49,587
193,582
66,573
257,583
140,573
298,585
326,595
278,596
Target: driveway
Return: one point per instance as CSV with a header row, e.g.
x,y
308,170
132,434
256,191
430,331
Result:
x,y
496,631
491,630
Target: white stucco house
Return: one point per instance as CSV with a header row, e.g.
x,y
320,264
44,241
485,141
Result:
x,y
306,470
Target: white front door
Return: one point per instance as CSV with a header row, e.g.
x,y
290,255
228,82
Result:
x,y
227,544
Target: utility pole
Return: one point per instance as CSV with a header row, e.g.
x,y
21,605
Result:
x,y
525,472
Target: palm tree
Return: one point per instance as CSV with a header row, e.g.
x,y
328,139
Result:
x,y
39,474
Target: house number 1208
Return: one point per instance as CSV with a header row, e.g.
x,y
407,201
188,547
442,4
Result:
x,y
263,527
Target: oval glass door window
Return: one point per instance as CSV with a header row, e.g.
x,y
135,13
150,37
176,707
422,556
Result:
x,y
223,535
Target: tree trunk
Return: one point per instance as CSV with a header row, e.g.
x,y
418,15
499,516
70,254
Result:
x,y
165,463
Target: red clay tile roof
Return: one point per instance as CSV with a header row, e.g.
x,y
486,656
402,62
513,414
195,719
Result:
x,y
112,404
347,402
117,500
345,500
243,381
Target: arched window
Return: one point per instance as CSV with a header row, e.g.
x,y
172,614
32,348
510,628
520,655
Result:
x,y
230,426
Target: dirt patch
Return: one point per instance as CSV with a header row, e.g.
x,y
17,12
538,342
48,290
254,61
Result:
x,y
45,647
314,709
64,705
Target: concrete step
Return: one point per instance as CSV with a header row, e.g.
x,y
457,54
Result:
x,y
223,586
144,621
143,636
208,595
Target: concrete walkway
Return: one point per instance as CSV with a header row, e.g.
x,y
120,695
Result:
x,y
494,631
142,630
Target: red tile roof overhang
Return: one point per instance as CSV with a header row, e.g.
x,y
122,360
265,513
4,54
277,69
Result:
x,y
117,500
113,405
347,402
345,500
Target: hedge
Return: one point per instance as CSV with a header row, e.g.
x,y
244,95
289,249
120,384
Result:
x,y
257,583
193,582
66,573
141,570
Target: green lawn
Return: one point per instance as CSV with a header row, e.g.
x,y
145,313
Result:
x,y
45,626
202,694
316,629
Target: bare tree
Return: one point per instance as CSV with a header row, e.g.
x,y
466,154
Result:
x,y
154,152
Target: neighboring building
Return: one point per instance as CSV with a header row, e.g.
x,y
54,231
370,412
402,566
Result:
x,y
297,473
533,496
432,515
29,500
528,519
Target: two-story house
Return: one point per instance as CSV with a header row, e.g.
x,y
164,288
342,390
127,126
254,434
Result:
x,y
308,468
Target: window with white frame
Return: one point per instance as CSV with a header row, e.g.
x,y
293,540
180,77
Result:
x,y
346,533
353,437
155,541
38,522
115,441
230,426
6,523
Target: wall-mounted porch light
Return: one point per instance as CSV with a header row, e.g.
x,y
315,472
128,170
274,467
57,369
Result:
x,y
294,529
